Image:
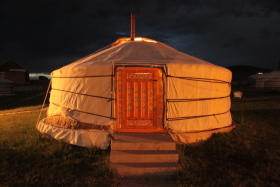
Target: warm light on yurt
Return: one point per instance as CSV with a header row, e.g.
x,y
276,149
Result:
x,y
137,85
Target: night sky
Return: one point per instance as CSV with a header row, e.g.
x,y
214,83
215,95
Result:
x,y
43,35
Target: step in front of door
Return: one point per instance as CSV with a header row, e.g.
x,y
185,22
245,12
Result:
x,y
140,169
119,145
144,155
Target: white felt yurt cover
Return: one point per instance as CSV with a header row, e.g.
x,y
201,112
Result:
x,y
197,93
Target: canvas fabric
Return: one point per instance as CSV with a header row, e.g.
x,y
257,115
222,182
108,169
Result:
x,y
196,92
83,138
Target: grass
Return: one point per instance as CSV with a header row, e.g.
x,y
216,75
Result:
x,y
247,156
21,109
28,159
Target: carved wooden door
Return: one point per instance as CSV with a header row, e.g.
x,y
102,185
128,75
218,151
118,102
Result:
x,y
139,100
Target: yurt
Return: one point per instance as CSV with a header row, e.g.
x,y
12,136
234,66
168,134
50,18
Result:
x,y
252,79
274,83
137,85
269,80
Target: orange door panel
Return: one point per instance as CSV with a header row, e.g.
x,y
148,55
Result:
x,y
139,101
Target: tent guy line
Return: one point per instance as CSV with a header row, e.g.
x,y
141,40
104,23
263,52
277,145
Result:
x,y
198,99
84,94
83,76
200,79
192,117
70,109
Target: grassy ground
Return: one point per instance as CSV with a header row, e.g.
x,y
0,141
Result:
x,y
247,156
28,159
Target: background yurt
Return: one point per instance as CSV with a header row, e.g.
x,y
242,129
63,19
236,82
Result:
x,y
269,80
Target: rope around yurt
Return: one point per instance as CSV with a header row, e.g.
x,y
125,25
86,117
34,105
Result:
x,y
44,102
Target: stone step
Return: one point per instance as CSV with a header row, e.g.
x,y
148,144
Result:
x,y
125,169
144,156
142,141
118,145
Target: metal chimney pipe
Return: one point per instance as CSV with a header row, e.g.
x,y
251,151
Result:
x,y
194,54
132,26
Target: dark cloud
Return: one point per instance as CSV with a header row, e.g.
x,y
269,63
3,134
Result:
x,y
265,34
236,42
47,34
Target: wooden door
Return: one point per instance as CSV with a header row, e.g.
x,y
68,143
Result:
x,y
139,100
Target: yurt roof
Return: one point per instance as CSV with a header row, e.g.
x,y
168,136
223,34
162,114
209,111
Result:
x,y
255,75
140,51
272,74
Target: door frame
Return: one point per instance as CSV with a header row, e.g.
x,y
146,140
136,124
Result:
x,y
160,129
